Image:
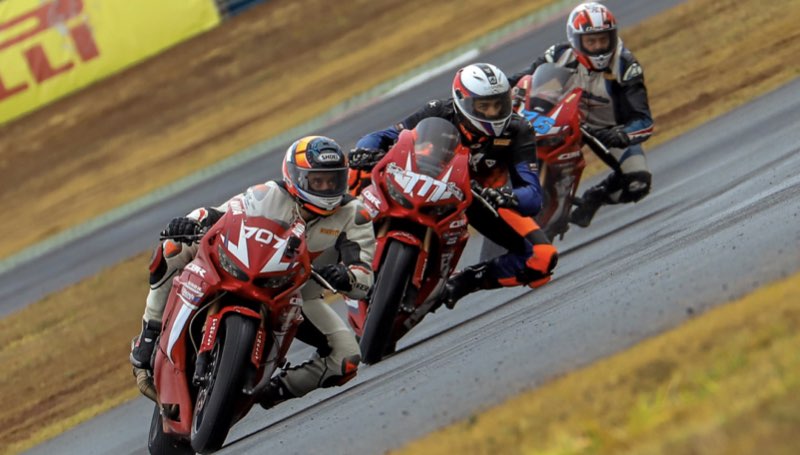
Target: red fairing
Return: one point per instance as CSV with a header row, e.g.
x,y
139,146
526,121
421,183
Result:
x,y
551,104
418,196
245,265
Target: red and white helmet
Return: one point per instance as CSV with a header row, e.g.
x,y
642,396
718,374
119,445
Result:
x,y
590,19
477,85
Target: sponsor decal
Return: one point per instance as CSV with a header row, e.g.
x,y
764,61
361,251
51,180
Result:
x,y
329,157
333,232
194,268
372,199
435,189
569,155
458,223
50,48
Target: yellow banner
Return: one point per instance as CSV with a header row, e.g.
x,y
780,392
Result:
x,y
51,48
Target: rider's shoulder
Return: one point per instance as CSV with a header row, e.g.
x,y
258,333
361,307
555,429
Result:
x,y
630,70
437,107
557,52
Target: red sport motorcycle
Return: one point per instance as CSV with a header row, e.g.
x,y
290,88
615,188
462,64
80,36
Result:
x,y
229,320
551,104
420,190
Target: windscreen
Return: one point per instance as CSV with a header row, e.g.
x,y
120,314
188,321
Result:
x,y
550,82
435,145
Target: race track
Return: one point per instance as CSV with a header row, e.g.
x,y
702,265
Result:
x,y
722,220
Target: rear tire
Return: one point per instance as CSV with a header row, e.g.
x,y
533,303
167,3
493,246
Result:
x,y
160,443
216,401
390,287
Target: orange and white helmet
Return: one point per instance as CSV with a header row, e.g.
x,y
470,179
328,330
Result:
x,y
315,171
590,19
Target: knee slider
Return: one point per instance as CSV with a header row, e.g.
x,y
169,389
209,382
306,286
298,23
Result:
x,y
635,186
539,266
349,369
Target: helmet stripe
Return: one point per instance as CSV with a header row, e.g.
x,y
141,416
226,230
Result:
x,y
300,151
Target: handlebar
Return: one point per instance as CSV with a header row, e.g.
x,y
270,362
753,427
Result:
x,y
600,149
476,193
322,281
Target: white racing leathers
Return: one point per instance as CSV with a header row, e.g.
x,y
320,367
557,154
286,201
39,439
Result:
x,y
346,236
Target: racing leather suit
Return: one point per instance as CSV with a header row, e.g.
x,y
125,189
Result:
x,y
507,161
616,96
346,236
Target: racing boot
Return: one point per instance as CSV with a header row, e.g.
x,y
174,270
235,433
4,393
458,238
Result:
x,y
588,205
469,280
275,393
145,344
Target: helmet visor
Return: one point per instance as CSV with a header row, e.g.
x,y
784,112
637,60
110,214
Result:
x,y
321,182
598,43
490,108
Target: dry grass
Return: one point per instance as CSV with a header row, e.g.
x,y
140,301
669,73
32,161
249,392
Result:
x,y
726,383
65,358
283,62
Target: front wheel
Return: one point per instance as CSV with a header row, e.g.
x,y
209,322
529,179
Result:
x,y
390,286
160,443
215,405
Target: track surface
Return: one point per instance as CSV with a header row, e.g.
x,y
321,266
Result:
x,y
722,220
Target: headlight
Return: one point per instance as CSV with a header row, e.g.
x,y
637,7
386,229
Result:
x,y
229,266
438,210
274,281
397,195
550,141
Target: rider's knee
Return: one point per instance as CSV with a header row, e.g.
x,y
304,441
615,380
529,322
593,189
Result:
x,y
635,186
348,369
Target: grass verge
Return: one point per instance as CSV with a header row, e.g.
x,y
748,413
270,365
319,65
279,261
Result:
x,y
727,382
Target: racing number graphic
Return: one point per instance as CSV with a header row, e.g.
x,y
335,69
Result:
x,y
540,123
50,15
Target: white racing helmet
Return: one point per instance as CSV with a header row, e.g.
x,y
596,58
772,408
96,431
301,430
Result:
x,y
479,83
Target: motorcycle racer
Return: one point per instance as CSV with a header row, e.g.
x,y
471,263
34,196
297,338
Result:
x,y
614,103
502,162
340,239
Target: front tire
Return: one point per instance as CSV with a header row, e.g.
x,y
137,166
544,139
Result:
x,y
390,287
160,443
215,404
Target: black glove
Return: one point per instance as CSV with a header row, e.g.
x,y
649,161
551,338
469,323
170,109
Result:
x,y
337,275
182,229
364,158
613,137
499,198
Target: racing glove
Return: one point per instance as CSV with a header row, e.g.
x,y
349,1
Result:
x,y
364,158
338,276
615,137
499,198
182,229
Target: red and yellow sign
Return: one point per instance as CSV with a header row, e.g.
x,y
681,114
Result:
x,y
51,48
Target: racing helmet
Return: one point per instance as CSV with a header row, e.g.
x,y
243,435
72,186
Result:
x,y
315,172
593,20
482,98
